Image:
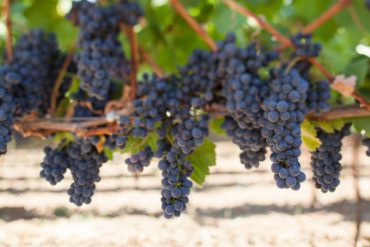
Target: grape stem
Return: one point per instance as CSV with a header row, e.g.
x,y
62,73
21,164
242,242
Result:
x,y
180,9
8,23
144,56
59,80
134,61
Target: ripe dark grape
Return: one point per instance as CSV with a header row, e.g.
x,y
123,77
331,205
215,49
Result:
x,y
250,141
28,76
6,119
137,162
304,46
366,143
190,133
85,162
176,183
101,58
318,95
325,161
54,165
284,111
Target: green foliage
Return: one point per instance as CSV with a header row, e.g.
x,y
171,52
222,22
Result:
x,y
201,159
215,125
134,144
329,126
309,136
361,125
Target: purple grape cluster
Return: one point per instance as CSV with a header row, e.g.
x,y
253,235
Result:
x,y
366,143
304,46
29,77
325,161
101,58
318,95
250,141
54,165
85,163
284,111
176,183
138,161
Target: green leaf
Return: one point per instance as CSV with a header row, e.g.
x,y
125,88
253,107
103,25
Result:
x,y
108,153
215,125
134,144
329,126
361,125
309,136
201,159
59,137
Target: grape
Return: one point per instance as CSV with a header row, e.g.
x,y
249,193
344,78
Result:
x,y
190,134
31,75
176,184
284,111
100,58
318,95
304,46
137,162
250,141
366,143
325,161
54,165
85,162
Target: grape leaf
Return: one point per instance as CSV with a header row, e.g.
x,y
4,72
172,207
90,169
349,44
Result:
x,y
135,144
361,124
309,135
108,153
215,125
201,159
329,126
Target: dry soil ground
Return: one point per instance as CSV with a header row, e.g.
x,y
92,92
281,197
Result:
x,y
235,207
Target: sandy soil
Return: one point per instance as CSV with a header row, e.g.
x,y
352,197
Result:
x,y
235,207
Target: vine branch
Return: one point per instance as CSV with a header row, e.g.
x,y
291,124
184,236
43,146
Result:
x,y
59,80
8,23
263,24
149,60
180,9
85,126
327,15
134,61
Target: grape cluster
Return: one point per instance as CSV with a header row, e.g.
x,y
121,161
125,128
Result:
x,y
366,143
137,162
318,95
101,58
250,141
85,162
54,165
244,91
325,161
304,46
176,183
284,111
190,133
156,98
27,76
6,119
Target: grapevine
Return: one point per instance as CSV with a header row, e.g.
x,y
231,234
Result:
x,y
264,97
